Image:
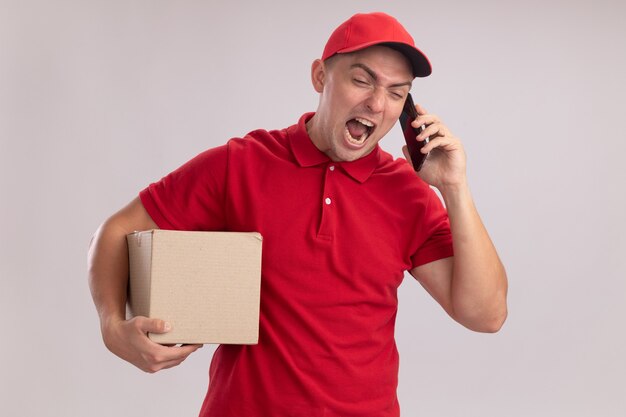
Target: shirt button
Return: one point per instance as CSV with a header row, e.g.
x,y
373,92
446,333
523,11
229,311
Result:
x,y
327,201
332,168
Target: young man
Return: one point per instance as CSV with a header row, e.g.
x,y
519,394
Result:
x,y
341,222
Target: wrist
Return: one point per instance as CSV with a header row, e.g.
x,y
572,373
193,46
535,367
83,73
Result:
x,y
454,191
109,321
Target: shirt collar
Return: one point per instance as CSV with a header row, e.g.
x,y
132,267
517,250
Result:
x,y
307,154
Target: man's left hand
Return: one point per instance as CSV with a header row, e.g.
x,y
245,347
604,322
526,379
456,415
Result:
x,y
445,166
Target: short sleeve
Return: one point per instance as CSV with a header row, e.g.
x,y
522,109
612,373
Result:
x,y
191,197
438,241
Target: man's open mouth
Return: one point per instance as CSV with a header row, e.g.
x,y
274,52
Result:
x,y
358,130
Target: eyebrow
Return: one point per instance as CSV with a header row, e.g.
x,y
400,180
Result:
x,y
375,76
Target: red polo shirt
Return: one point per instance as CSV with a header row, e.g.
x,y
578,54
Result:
x,y
337,238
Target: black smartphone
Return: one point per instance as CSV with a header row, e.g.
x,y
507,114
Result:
x,y
408,115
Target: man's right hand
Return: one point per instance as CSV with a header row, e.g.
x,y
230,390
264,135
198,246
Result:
x,y
129,340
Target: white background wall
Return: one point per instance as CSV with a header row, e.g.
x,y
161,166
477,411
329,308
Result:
x,y
100,98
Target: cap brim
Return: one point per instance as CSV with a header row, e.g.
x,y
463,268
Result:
x,y
419,62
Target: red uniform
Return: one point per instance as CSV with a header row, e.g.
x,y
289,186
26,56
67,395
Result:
x,y
337,238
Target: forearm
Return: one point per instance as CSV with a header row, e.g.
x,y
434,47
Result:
x,y
108,261
108,272
479,284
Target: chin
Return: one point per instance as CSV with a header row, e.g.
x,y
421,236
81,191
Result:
x,y
351,155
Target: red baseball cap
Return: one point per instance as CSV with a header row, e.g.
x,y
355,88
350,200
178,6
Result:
x,y
367,29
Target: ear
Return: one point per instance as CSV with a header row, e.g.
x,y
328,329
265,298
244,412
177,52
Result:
x,y
318,75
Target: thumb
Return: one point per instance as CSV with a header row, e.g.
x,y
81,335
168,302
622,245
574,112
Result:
x,y
156,326
405,151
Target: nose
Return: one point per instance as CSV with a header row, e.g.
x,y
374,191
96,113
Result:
x,y
376,101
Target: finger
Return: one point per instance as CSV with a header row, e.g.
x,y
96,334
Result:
x,y
407,156
171,364
189,349
440,142
166,353
154,325
156,367
159,356
425,121
420,109
432,131
177,361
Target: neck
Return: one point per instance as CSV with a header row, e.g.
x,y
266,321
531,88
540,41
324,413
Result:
x,y
313,132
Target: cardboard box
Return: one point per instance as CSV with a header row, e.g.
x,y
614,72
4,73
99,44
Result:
x,y
207,285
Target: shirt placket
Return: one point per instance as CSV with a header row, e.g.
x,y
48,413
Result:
x,y
328,203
